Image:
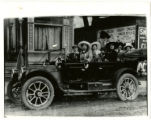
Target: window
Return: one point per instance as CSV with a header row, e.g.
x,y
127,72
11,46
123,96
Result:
x,y
47,36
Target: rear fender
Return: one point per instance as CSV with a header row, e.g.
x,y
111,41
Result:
x,y
121,71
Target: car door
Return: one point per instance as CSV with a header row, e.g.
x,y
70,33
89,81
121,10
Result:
x,y
72,72
105,70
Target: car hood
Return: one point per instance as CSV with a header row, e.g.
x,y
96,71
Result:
x,y
140,54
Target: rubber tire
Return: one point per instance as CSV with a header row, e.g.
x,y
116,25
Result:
x,y
125,75
32,80
10,93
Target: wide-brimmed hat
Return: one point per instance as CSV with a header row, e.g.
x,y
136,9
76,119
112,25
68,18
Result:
x,y
109,44
128,45
97,44
84,42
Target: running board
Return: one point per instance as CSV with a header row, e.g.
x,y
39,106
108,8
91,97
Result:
x,y
88,91
107,84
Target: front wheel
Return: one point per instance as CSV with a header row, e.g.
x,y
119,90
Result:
x,y
37,93
127,87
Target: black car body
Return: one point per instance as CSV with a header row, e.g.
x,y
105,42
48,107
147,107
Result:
x,y
39,84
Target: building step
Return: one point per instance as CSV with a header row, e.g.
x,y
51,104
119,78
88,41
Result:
x,y
6,71
7,75
10,64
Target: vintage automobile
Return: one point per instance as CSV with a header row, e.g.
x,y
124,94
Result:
x,y
36,86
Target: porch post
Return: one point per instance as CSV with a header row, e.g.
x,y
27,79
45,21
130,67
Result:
x,y
20,32
20,59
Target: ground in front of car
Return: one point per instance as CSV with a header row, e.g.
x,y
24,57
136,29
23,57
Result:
x,y
103,105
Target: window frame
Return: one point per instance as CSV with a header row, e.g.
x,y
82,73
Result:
x,y
33,39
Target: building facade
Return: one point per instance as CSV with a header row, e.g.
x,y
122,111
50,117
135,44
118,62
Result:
x,y
37,36
123,28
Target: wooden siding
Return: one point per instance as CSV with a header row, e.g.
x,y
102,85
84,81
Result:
x,y
65,42
8,66
30,36
35,56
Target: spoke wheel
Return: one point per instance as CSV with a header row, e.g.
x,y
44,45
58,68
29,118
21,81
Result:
x,y
127,87
37,93
14,91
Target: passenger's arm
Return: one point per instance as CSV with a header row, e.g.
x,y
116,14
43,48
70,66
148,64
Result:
x,y
90,56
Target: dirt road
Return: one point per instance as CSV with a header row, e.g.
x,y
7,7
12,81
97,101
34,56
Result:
x,y
84,106
102,105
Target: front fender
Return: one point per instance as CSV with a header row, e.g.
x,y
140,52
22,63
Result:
x,y
50,72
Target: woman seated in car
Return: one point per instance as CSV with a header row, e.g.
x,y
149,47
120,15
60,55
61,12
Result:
x,y
128,47
96,53
110,54
74,56
85,53
119,49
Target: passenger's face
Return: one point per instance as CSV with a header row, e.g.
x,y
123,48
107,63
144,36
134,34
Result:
x,y
112,47
84,47
75,49
94,47
128,48
120,47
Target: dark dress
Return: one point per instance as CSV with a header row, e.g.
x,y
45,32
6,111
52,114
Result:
x,y
111,55
73,57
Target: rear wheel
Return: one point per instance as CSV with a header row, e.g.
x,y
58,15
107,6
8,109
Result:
x,y
37,93
127,87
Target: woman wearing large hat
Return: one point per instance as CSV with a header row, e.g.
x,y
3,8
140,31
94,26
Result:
x,y
111,54
85,54
108,46
96,53
128,47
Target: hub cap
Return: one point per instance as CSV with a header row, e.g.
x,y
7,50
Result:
x,y
128,88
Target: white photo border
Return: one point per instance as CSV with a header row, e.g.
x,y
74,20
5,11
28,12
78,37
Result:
x,y
73,8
